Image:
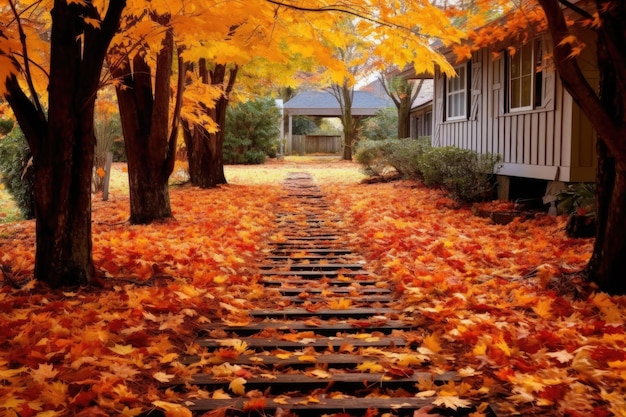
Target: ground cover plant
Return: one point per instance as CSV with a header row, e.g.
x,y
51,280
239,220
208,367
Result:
x,y
499,304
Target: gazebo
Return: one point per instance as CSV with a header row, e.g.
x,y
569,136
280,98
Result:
x,y
324,104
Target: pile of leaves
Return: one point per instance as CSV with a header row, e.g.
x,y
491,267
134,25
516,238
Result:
x,y
500,305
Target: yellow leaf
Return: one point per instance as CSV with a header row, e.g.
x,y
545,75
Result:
x,y
306,358
92,22
319,373
163,377
237,386
451,401
239,345
220,395
172,410
10,373
122,349
371,367
432,343
169,357
339,304
45,371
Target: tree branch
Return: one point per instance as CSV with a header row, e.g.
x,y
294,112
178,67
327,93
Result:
x,y
609,132
28,75
575,8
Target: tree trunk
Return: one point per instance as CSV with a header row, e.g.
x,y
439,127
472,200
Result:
x,y
605,110
404,120
205,150
63,145
608,261
150,146
201,151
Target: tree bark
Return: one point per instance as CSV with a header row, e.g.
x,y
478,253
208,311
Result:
x,y
205,149
608,260
605,110
150,145
63,143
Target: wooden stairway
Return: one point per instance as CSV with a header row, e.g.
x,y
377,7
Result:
x,y
339,347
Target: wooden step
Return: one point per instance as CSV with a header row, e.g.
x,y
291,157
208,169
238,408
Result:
x,y
380,324
322,312
314,342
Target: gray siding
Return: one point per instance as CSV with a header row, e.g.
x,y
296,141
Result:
x,y
554,142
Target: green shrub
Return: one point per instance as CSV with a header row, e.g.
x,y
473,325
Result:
x,y
403,155
579,198
467,175
383,125
6,125
16,171
251,132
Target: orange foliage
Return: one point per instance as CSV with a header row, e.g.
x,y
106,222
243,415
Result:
x,y
486,296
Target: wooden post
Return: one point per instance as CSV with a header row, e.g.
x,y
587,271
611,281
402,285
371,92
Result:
x,y
107,176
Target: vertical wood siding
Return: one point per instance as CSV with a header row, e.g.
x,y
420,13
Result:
x,y
528,141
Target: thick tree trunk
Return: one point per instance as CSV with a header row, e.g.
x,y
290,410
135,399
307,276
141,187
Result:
x,y
608,261
205,151
63,144
201,150
605,110
150,147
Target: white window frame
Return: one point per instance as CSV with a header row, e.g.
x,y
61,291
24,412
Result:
x,y
529,60
457,93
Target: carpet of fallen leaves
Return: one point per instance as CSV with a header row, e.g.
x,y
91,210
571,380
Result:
x,y
498,304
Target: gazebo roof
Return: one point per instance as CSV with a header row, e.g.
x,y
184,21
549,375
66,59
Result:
x,y
323,103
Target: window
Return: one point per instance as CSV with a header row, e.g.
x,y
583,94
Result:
x,y
456,94
525,77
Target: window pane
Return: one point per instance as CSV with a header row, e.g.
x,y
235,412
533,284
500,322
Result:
x,y
526,90
515,65
527,58
515,93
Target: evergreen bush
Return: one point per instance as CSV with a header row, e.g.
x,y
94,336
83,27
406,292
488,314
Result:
x,y
403,155
251,132
17,172
383,125
467,175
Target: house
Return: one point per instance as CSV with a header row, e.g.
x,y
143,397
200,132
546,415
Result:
x,y
507,99
422,111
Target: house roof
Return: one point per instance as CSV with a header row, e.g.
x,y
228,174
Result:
x,y
425,95
323,103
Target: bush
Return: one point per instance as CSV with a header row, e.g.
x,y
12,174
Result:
x,y
251,132
401,154
384,125
17,172
467,175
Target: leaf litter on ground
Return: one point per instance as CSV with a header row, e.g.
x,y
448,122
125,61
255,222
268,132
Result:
x,y
500,304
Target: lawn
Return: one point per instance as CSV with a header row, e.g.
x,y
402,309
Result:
x,y
500,304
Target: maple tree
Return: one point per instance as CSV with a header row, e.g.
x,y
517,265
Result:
x,y
62,140
61,137
149,136
403,93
